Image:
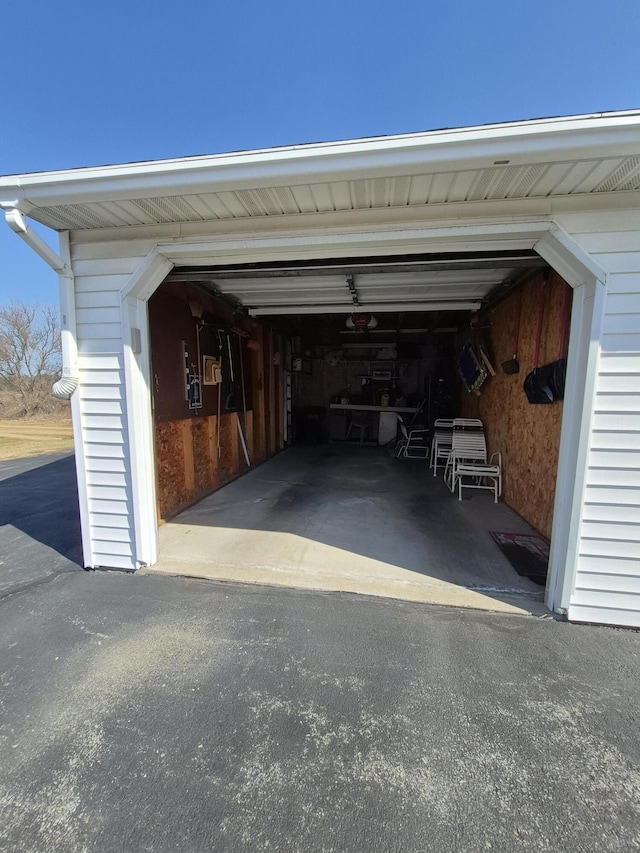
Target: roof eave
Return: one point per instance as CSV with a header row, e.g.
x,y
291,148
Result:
x,y
610,135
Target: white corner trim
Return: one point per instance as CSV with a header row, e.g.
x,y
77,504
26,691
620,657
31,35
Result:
x,y
577,417
144,280
137,370
148,276
569,259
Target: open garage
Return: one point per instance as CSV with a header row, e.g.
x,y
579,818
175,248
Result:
x,y
318,300
345,508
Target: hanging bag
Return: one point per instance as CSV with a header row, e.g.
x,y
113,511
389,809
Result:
x,y
536,385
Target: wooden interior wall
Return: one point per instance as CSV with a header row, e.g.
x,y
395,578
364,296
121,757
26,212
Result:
x,y
527,435
188,465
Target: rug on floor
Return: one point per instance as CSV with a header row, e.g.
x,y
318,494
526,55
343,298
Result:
x,y
527,553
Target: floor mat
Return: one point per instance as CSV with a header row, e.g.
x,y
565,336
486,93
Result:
x,y
527,553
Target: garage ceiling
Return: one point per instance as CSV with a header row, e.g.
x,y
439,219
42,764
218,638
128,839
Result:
x,y
401,284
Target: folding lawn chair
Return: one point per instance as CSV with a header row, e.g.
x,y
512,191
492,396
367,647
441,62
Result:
x,y
468,459
441,443
413,443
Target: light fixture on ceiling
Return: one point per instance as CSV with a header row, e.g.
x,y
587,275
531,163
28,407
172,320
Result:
x,y
361,322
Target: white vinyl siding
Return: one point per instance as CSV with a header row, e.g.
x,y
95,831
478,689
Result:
x,y
99,279
607,584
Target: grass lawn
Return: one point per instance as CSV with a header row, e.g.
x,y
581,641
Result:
x,y
19,438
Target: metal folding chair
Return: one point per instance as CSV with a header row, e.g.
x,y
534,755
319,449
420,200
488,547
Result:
x,y
486,476
441,443
468,459
413,443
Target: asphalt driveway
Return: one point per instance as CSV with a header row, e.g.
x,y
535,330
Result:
x,y
141,712
156,713
39,520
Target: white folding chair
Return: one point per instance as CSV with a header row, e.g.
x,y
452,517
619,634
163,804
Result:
x,y
468,460
468,423
441,443
469,447
486,476
413,443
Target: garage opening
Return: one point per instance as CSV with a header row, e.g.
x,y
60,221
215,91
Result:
x,y
329,360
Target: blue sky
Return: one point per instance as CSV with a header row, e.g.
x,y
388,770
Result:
x,y
87,84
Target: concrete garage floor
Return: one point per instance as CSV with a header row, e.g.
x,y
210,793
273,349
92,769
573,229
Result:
x,y
353,519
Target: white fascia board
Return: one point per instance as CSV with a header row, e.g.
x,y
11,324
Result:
x,y
563,139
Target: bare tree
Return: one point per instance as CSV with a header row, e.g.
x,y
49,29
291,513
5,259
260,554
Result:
x,y
30,359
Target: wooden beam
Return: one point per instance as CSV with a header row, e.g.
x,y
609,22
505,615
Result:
x,y
212,427
258,397
187,449
270,393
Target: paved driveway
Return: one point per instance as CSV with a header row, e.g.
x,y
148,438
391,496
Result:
x,y
161,713
39,520
157,713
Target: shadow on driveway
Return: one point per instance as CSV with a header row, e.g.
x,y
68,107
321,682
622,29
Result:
x,y
39,520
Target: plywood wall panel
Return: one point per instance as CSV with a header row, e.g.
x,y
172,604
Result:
x,y
248,436
187,450
172,490
212,438
228,467
528,436
188,463
202,479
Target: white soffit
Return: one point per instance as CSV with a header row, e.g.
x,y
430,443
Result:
x,y
538,159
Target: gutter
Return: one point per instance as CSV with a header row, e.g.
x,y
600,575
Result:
x,y
62,389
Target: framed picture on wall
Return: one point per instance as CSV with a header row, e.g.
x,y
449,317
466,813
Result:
x,y
195,397
211,370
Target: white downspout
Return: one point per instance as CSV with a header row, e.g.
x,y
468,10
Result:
x,y
67,384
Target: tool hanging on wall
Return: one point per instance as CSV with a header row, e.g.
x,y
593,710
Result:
x,y
230,402
470,370
555,373
513,365
242,334
483,353
220,337
244,394
536,385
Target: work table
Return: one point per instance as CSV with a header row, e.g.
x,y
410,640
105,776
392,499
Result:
x,y
387,422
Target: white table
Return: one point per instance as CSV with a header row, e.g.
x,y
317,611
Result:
x,y
387,422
